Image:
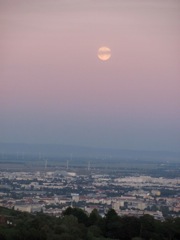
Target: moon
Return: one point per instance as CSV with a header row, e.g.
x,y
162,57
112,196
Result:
x,y
104,53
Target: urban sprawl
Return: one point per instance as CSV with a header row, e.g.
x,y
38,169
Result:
x,y
51,192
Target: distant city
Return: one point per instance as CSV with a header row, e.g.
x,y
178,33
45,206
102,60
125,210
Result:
x,y
132,186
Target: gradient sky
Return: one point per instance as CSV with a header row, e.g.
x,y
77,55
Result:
x,y
54,89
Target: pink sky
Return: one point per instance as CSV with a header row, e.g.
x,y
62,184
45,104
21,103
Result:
x,y
54,89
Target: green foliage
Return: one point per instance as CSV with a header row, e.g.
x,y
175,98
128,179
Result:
x,y
94,218
112,225
75,224
130,227
95,231
77,212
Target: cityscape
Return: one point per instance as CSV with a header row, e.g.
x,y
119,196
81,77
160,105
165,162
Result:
x,y
52,186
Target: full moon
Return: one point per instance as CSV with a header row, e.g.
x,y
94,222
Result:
x,y
104,53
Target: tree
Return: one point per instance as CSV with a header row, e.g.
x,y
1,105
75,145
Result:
x,y
94,217
78,213
71,227
112,224
147,226
130,227
172,228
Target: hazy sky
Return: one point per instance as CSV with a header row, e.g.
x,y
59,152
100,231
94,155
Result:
x,y
54,89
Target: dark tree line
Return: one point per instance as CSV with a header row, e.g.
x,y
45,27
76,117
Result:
x,y
75,224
